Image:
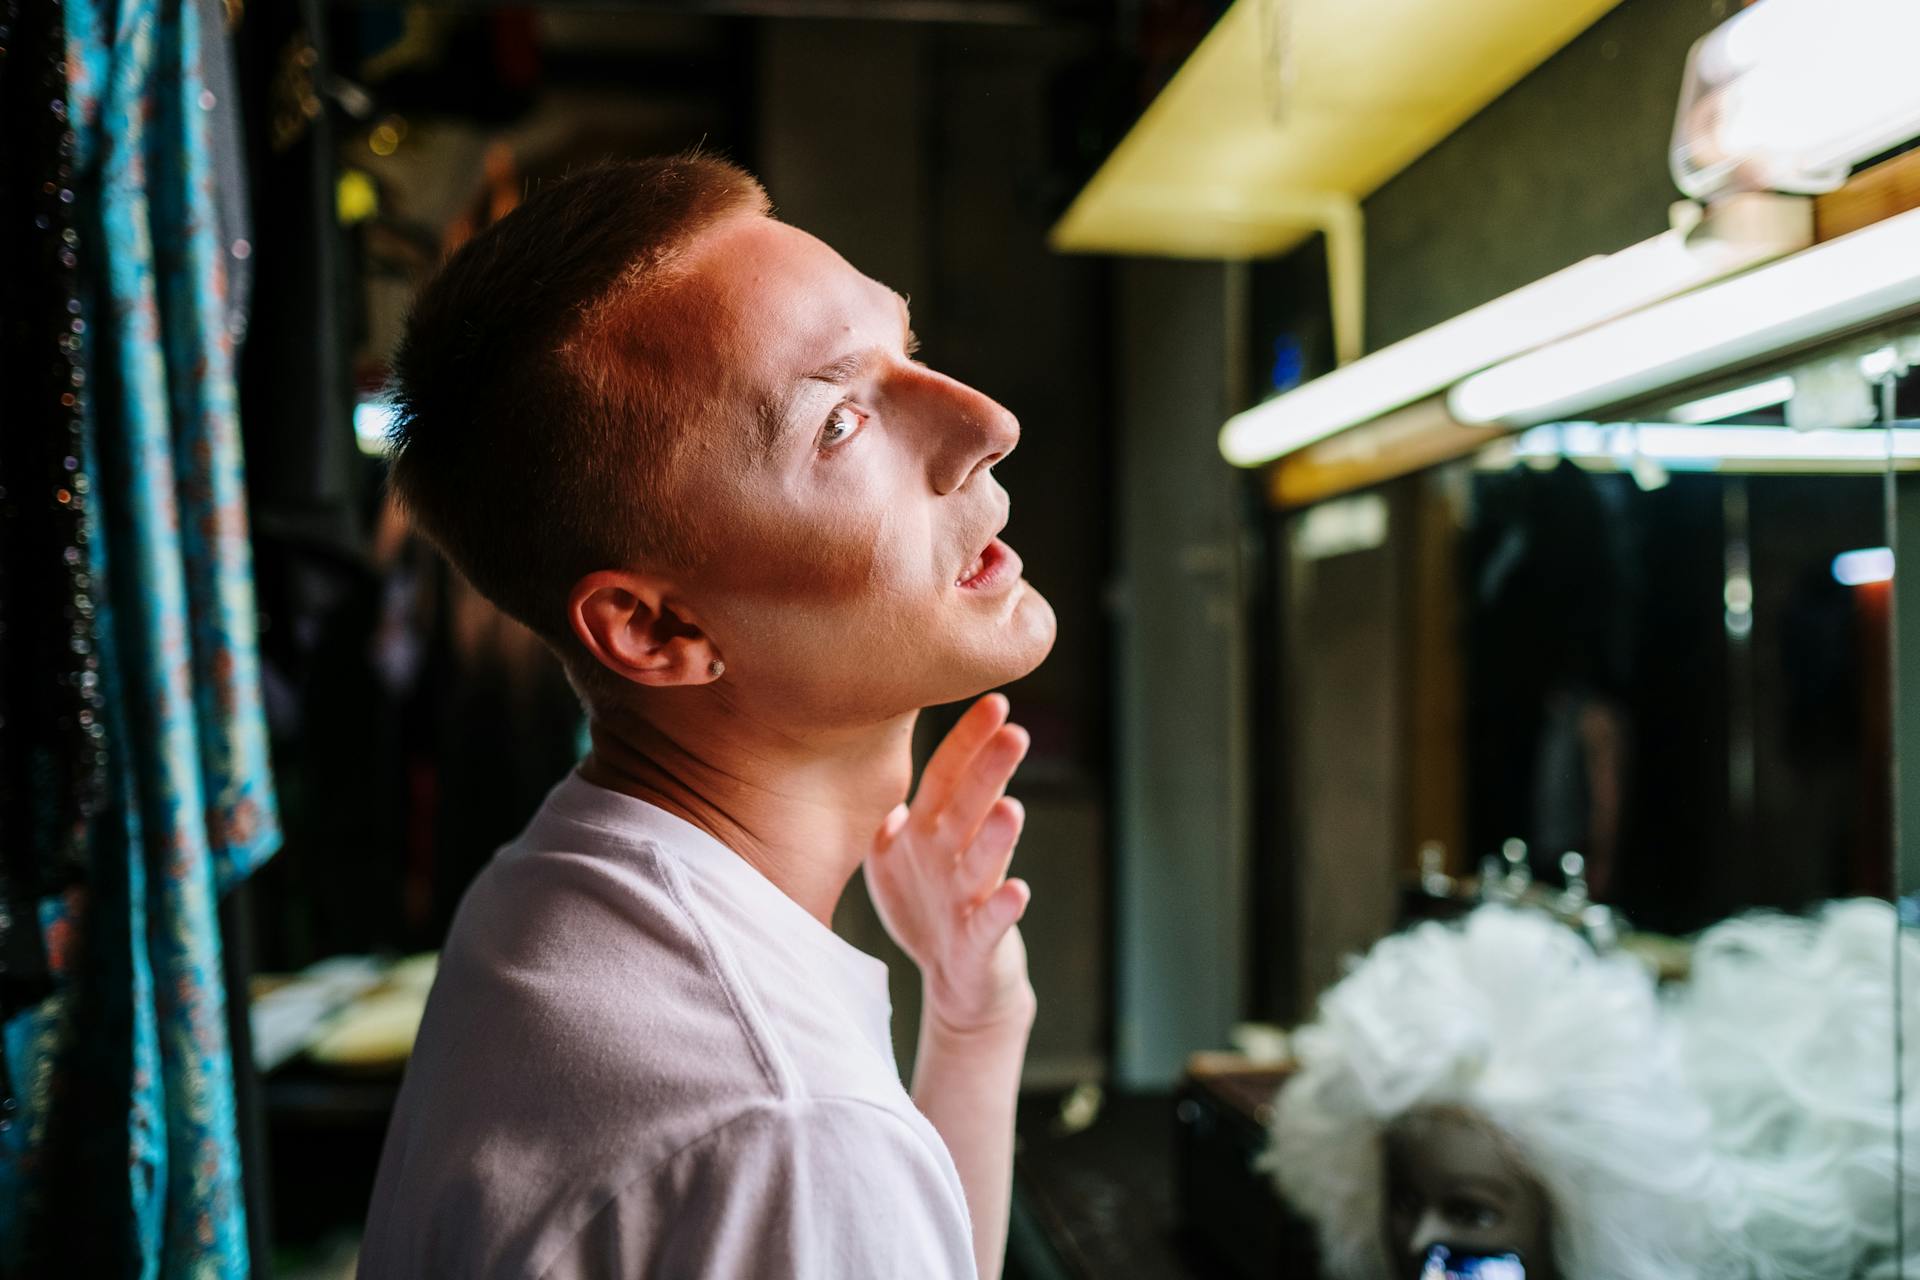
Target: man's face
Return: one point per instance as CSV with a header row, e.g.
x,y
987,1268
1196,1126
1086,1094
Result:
x,y
842,491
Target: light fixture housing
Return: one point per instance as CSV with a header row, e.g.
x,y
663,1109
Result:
x,y
1868,275
1788,95
1732,237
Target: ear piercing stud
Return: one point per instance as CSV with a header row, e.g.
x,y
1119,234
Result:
x,y
716,668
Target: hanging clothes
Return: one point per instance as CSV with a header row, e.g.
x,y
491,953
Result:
x,y
126,1162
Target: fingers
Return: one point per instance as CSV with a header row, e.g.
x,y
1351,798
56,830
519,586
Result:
x,y
1000,912
983,866
955,752
982,785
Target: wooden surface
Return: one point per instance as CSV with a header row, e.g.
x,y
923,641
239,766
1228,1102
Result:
x,y
1400,443
1890,187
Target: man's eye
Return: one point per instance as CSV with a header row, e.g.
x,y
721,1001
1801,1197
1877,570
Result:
x,y
1474,1213
841,424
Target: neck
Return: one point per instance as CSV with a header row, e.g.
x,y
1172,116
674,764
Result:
x,y
802,810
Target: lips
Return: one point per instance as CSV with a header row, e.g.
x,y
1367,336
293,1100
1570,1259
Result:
x,y
995,566
973,570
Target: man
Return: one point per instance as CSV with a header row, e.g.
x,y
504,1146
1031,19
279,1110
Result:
x,y
690,446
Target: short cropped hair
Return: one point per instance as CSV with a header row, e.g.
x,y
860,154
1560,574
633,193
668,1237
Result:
x,y
532,420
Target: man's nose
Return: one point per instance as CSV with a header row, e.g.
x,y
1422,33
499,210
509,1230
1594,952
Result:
x,y
967,431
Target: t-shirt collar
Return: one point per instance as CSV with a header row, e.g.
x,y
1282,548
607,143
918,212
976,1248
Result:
x,y
635,819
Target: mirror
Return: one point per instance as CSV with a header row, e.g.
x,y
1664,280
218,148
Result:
x,y
1624,999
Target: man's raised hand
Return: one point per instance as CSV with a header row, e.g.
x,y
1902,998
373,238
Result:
x,y
937,874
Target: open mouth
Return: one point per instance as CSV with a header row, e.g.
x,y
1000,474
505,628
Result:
x,y
995,565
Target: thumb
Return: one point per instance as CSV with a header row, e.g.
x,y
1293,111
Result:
x,y
890,827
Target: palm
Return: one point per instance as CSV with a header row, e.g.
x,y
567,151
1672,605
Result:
x,y
938,872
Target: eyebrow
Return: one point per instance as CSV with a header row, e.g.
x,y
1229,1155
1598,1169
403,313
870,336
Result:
x,y
774,413
839,373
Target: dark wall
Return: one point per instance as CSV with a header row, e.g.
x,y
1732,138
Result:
x,y
1570,162
1180,672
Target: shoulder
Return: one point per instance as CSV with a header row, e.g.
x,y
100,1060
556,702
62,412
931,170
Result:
x,y
587,960
578,1031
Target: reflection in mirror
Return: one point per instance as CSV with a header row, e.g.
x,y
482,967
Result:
x,y
1899,409
1644,1018
1677,648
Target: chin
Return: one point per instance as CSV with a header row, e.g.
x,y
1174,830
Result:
x,y
1033,620
966,656
1013,648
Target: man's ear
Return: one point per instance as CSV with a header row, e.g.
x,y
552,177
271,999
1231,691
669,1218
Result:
x,y
637,631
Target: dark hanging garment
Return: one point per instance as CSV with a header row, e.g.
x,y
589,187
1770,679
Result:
x,y
304,471
52,748
51,753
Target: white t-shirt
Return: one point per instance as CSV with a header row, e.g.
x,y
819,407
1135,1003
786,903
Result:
x,y
641,1058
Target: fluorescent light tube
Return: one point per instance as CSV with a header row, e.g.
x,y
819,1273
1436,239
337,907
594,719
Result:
x,y
1871,274
1727,404
1869,564
1742,232
1703,448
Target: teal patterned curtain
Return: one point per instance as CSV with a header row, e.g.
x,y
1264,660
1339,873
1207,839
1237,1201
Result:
x,y
119,1154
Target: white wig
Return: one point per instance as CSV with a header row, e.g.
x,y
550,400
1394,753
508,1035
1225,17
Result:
x,y
1788,1031
1565,1053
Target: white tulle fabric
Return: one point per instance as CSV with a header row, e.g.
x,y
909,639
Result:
x,y
1743,1125
1788,1033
